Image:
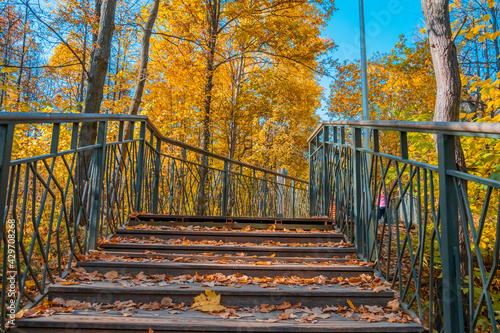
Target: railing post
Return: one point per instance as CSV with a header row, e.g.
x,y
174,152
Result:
x,y
280,193
336,190
264,196
156,185
140,168
358,226
6,139
312,197
326,173
225,188
100,168
453,316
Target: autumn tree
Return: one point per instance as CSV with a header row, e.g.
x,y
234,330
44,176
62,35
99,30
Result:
x,y
401,86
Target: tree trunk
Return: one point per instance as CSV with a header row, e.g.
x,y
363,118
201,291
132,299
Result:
x,y
143,67
95,86
213,13
449,89
446,67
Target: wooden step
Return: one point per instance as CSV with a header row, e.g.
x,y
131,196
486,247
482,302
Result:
x,y
243,296
234,225
194,321
233,236
228,220
203,268
206,256
278,251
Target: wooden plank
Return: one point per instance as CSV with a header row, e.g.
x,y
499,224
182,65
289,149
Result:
x,y
234,225
233,236
279,251
193,321
224,219
179,268
230,257
245,295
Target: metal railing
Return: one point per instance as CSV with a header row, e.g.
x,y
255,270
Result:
x,y
430,241
58,202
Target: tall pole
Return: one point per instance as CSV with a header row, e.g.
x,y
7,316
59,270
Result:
x,y
364,76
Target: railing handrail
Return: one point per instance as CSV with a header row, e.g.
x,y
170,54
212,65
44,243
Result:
x,y
51,118
41,117
453,128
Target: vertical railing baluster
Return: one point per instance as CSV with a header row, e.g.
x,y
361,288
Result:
x,y
357,188
97,181
140,168
453,316
156,184
171,189
312,196
264,196
326,173
225,188
335,180
403,139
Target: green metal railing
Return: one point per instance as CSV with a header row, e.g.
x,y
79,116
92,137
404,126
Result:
x,y
429,243
60,201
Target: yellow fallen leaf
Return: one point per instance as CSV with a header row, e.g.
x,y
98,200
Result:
x,y
273,255
208,302
350,304
69,283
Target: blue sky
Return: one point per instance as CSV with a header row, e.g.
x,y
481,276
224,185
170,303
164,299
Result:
x,y
385,21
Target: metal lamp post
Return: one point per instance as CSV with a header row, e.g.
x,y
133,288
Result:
x,y
364,74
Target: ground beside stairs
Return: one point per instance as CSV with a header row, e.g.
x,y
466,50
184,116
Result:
x,y
292,275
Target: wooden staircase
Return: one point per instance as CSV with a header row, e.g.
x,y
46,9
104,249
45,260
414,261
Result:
x,y
289,275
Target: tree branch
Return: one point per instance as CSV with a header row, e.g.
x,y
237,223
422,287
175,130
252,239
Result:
x,y
57,35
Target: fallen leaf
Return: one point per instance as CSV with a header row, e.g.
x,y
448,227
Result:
x,y
208,302
380,288
69,283
270,320
19,314
370,317
111,275
394,305
166,301
284,306
350,304
284,316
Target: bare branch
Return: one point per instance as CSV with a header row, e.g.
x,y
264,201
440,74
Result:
x,y
57,35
